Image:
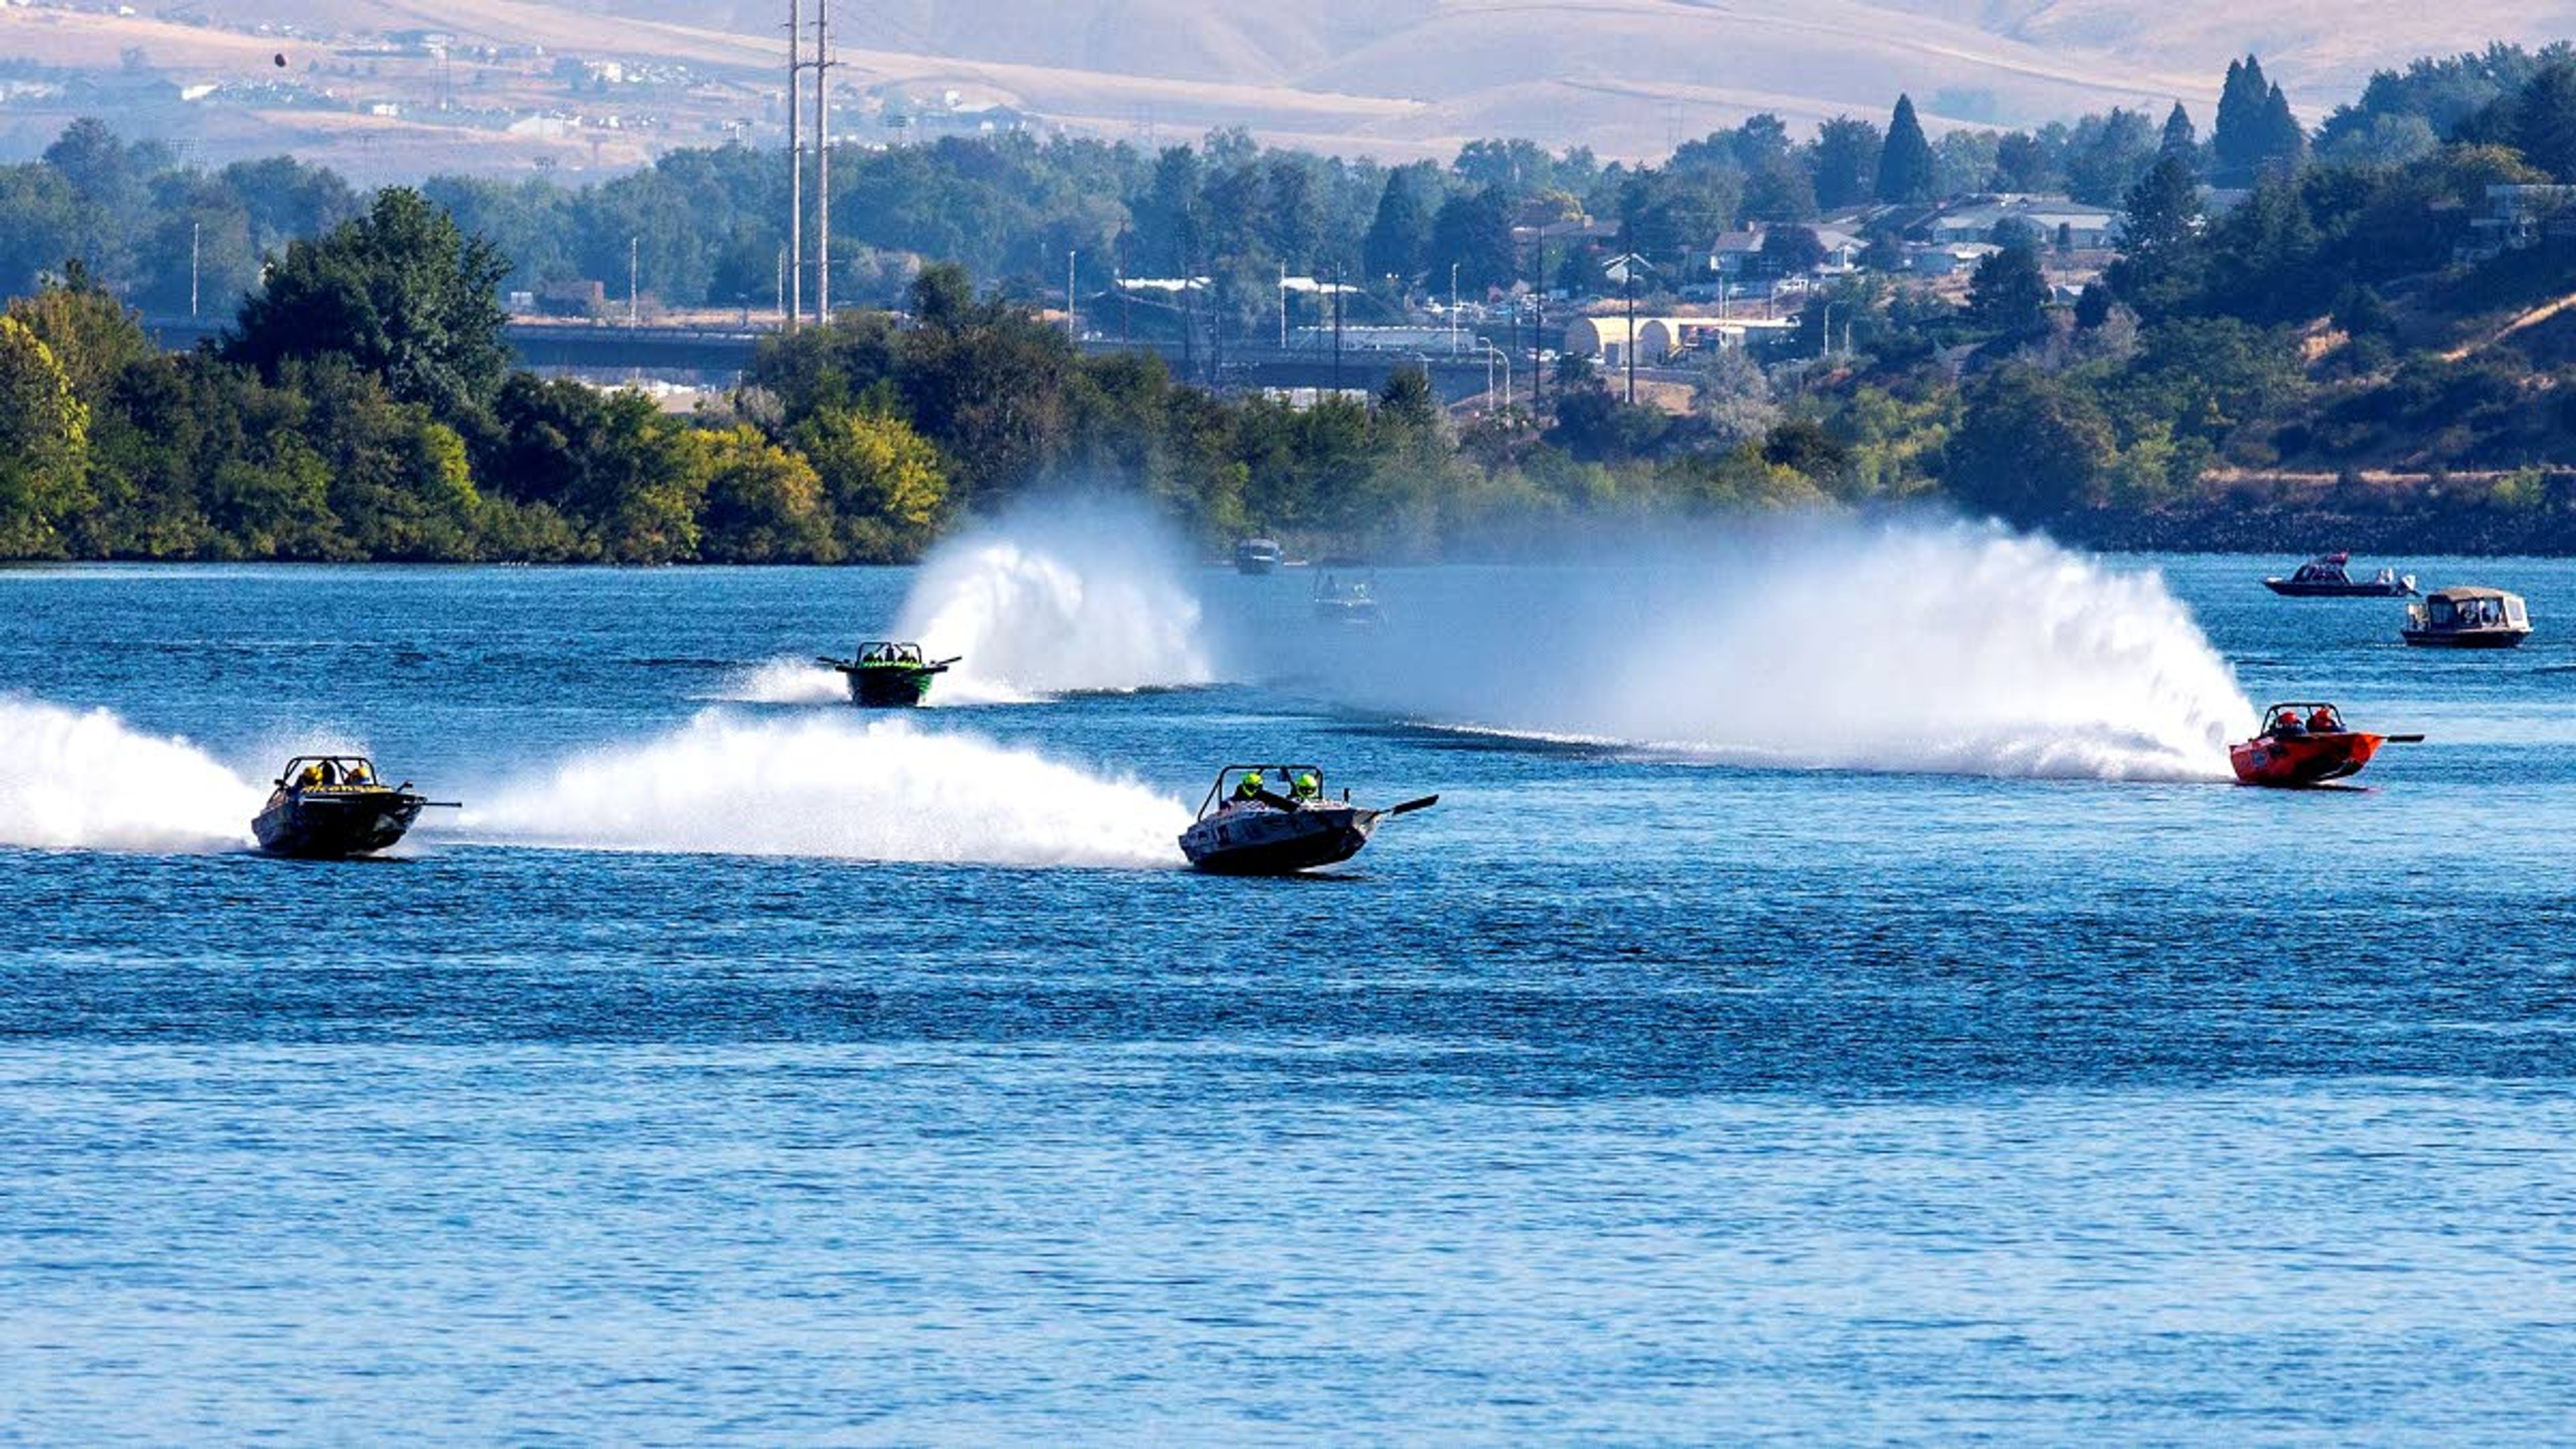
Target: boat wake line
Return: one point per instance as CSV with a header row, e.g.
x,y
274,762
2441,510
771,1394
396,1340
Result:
x,y
834,787
85,779
1905,648
825,786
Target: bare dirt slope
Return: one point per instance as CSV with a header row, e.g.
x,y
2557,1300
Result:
x,y
1391,77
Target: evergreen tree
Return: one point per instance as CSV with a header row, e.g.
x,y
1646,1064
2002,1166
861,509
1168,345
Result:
x,y
2159,240
1905,163
2180,140
1473,232
2008,295
1401,230
2285,141
2256,130
2542,123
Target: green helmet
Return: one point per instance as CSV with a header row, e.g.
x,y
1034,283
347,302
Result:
x,y
1308,783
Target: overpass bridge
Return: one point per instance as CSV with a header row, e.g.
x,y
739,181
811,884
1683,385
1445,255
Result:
x,y
719,355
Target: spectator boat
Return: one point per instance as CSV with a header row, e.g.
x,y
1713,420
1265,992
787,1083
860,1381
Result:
x,y
1347,601
331,807
2326,577
885,674
1257,556
2305,742
2467,618
1245,828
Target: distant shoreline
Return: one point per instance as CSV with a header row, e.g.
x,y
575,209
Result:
x,y
2303,533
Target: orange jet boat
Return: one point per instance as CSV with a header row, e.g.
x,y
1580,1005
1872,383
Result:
x,y
2304,742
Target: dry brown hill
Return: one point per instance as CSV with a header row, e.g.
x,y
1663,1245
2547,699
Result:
x,y
1391,77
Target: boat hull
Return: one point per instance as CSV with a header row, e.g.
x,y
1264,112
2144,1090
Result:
x,y
2362,589
335,823
880,687
2465,638
1262,841
2302,760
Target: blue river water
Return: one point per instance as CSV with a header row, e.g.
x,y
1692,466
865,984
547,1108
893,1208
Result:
x,y
1836,998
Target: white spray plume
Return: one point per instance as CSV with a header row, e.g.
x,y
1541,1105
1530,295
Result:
x,y
1057,596
834,786
785,681
1906,647
85,779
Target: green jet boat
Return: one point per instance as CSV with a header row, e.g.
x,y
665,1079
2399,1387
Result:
x,y
889,675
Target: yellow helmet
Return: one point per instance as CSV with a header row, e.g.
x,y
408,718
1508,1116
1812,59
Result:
x,y
1307,781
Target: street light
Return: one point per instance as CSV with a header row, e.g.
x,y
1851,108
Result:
x,y
1454,308
1492,353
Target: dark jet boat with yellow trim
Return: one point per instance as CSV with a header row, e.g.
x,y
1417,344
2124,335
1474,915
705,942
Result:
x,y
886,674
330,807
1246,828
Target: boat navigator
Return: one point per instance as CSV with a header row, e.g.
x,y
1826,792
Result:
x,y
1246,827
2467,618
331,807
885,674
1349,599
2305,742
2327,577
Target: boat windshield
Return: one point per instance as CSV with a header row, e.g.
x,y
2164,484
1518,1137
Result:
x,y
307,771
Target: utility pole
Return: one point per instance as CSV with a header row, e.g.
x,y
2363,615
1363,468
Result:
x,y
793,290
196,235
1623,270
1337,328
822,163
1453,309
1070,333
1283,306
634,274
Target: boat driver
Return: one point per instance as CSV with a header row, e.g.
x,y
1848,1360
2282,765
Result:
x,y
2286,726
2321,721
1249,788
1305,787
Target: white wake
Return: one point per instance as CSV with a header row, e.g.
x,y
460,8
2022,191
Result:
x,y
1913,647
85,779
1058,597
834,786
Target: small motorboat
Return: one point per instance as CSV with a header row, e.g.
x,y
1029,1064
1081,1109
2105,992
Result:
x,y
1245,828
1257,556
2305,742
2327,576
2467,618
331,807
1346,601
885,674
